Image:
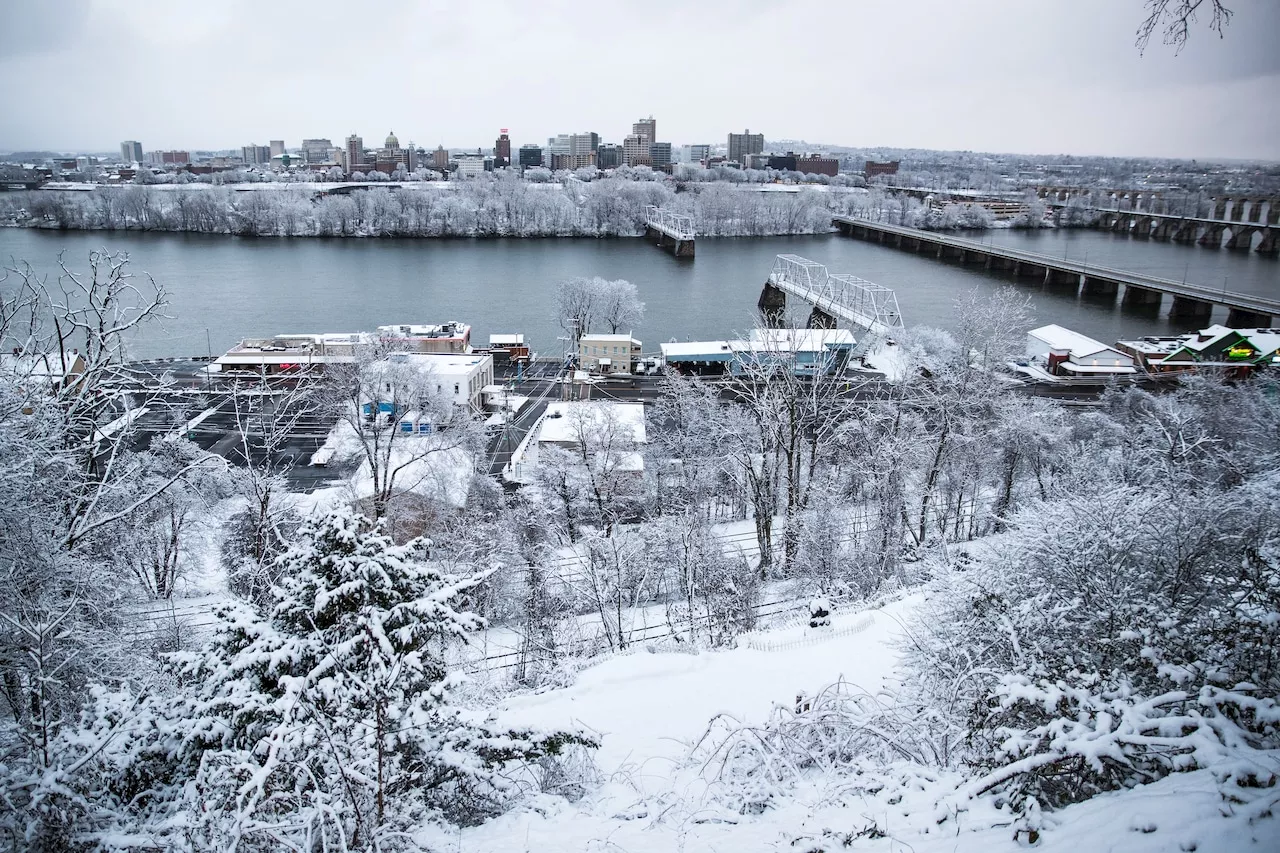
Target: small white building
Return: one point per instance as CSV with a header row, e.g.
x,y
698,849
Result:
x,y
608,353
1063,352
459,379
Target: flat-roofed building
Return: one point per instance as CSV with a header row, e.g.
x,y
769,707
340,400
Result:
x,y
451,337
294,353
608,353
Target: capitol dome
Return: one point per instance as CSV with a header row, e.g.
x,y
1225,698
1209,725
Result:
x,y
392,142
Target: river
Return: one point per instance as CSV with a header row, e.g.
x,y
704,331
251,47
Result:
x,y
224,288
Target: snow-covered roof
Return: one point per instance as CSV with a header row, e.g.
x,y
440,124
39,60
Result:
x,y
452,329
1058,337
609,338
796,340
1072,367
1207,337
694,349
506,340
442,363
50,367
560,423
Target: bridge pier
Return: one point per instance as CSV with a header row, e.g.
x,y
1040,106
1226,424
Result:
x,y
1101,287
1239,318
1141,299
1185,233
996,262
1269,245
1186,308
819,319
1241,238
1025,270
1141,227
772,303
1164,229
1061,277
1212,236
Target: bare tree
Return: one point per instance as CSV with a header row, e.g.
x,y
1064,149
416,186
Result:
x,y
1175,17
370,397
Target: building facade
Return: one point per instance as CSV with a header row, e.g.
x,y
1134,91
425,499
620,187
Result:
x,y
354,152
131,151
256,155
635,150
816,164
470,165
660,154
609,156
502,150
694,153
277,147
317,151
608,353
530,156
646,127
872,168
742,144
172,158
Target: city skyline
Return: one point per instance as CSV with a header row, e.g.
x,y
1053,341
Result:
x,y
999,76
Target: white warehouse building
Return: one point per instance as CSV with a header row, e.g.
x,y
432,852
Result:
x,y
1067,353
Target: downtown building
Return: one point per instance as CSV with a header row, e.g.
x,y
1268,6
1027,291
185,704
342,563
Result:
x,y
255,155
530,155
317,151
131,151
741,145
502,150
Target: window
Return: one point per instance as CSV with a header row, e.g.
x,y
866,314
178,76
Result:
x,y
455,388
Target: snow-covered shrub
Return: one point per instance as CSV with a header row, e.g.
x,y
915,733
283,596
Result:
x,y
1112,638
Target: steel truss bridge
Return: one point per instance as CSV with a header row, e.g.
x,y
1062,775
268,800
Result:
x,y
834,296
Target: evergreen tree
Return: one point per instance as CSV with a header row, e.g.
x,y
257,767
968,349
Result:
x,y
328,720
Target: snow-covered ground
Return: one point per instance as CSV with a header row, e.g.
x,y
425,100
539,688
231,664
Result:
x,y
649,709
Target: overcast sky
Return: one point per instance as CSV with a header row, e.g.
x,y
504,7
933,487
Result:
x,y
1033,76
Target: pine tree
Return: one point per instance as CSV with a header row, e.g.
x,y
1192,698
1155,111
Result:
x,y
330,718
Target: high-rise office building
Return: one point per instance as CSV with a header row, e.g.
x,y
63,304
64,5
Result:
x,y
354,150
742,144
608,156
646,127
255,155
277,147
530,155
317,151
694,153
635,150
660,154
502,150
131,151
581,151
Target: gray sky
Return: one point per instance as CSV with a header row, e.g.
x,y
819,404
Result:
x,y
1034,76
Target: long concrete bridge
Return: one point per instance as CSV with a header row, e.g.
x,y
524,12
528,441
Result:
x,y
1192,229
670,230
1191,302
835,297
